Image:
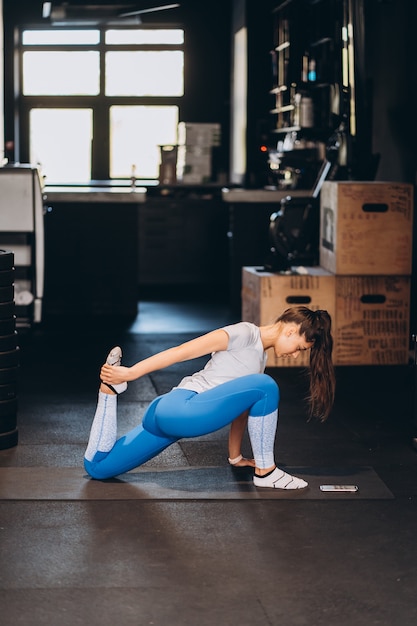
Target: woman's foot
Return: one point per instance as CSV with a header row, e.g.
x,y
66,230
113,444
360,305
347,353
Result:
x,y
114,358
240,461
278,479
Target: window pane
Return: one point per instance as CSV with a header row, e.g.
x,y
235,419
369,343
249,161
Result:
x,y
61,73
159,73
136,132
60,140
144,36
59,37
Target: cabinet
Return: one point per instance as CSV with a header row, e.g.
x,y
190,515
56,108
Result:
x,y
22,231
91,255
183,239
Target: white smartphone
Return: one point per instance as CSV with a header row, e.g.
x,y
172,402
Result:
x,y
350,488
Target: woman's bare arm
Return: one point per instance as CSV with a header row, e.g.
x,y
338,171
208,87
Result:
x,y
214,341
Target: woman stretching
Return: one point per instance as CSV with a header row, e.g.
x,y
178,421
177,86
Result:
x,y
231,389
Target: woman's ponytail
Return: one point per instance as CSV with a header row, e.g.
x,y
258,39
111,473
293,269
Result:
x,y
322,376
315,326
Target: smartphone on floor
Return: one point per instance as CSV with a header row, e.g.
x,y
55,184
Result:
x,y
349,488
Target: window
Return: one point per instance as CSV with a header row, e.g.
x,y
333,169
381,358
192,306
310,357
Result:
x,y
136,132
60,140
144,73
97,104
61,73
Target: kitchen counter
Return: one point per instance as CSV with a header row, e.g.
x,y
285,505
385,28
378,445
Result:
x,y
95,194
239,195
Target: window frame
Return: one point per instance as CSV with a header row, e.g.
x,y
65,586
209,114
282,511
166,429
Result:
x,y
101,103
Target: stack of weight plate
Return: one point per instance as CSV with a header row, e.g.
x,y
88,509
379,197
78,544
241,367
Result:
x,y
9,353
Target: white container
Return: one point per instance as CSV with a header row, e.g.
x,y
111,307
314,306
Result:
x,y
306,112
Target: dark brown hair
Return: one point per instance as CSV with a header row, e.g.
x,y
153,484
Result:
x,y
315,326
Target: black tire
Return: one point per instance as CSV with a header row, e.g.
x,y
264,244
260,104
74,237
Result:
x,y
7,293
8,392
9,359
8,342
6,260
9,375
6,278
9,439
7,326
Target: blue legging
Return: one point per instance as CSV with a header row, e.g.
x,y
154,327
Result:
x,y
183,413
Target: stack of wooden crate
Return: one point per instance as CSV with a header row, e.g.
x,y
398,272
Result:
x,y
363,279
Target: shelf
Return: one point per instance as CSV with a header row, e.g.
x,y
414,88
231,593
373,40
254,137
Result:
x,y
318,134
282,46
287,129
284,109
279,89
321,41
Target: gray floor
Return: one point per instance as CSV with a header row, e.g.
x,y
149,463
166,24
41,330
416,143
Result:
x,y
186,539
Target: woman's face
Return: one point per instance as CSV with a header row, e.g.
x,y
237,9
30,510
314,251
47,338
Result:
x,y
290,343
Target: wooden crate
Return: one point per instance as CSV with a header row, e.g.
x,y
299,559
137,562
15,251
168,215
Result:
x,y
372,320
370,314
266,295
366,228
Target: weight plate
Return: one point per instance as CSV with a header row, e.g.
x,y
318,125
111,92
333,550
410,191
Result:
x,y
6,277
8,342
9,440
6,293
8,407
9,359
7,309
8,423
6,259
9,375
7,326
7,392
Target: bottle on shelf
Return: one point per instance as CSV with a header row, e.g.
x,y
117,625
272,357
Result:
x,y
296,110
304,68
312,74
306,117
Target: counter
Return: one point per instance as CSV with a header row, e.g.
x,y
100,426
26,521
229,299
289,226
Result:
x,y
95,194
91,250
238,195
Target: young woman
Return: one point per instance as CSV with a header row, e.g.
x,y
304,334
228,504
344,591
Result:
x,y
231,389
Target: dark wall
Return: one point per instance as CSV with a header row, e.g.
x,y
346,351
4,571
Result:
x,y
390,53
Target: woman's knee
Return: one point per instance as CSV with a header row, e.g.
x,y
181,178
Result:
x,y
270,395
149,421
267,384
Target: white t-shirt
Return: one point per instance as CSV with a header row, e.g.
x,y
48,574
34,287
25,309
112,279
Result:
x,y
244,355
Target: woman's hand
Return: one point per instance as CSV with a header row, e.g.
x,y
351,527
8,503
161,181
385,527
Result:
x,y
115,374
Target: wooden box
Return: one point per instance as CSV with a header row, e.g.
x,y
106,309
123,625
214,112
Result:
x,y
370,314
372,320
366,228
266,295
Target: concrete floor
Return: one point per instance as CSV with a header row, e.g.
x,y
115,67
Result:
x,y
186,539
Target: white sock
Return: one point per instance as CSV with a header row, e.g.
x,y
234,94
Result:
x,y
103,432
278,479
